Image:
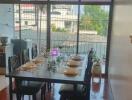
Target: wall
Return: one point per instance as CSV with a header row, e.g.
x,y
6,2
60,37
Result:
x,y
6,20
120,66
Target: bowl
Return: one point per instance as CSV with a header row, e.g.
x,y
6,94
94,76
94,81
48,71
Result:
x,y
4,40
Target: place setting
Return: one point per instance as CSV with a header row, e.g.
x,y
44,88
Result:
x,y
71,67
77,57
29,66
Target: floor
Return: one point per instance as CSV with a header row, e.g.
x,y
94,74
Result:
x,y
99,91
3,82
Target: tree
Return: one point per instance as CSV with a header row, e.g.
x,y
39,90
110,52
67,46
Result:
x,y
94,18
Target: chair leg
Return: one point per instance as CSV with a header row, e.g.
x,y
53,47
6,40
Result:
x,y
34,97
92,77
29,97
100,77
49,86
43,91
10,89
22,97
62,98
18,95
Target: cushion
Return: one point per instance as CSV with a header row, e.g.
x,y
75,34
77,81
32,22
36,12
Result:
x,y
69,89
30,87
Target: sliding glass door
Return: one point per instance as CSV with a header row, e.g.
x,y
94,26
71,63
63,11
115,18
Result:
x,y
74,26
30,21
64,27
93,30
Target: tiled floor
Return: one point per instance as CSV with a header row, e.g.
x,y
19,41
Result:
x,y
99,91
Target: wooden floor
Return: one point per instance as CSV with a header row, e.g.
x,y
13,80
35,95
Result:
x,y
99,91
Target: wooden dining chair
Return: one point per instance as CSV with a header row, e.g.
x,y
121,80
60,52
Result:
x,y
25,56
34,51
76,91
23,87
67,91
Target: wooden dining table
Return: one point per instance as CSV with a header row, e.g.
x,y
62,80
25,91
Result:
x,y
43,74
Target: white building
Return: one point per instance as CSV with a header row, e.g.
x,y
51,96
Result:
x,y
62,17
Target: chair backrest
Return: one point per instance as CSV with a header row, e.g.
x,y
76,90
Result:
x,y
34,51
25,56
87,78
89,66
90,60
18,45
13,63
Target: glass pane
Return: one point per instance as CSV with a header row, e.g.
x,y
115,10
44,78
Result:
x,y
94,30
16,21
95,0
33,0
65,0
6,22
64,27
73,0
33,20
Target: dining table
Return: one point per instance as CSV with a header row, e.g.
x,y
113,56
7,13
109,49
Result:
x,y
53,73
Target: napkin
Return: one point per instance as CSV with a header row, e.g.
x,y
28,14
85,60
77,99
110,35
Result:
x,y
71,71
73,63
76,57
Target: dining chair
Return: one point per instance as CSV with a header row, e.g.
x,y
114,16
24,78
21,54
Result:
x,y
23,87
34,51
25,56
68,91
76,91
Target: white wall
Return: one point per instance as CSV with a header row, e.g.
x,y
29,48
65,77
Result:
x,y
120,67
6,20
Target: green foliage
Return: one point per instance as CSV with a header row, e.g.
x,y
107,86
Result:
x,y
94,18
60,30
95,57
54,29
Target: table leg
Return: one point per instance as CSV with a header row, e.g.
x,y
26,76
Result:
x,y
87,96
10,88
75,87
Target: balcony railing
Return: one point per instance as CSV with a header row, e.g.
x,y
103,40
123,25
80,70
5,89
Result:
x,y
69,47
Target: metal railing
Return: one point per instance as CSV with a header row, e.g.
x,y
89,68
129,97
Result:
x,y
69,46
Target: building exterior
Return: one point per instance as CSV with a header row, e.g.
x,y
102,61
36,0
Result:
x,y
62,17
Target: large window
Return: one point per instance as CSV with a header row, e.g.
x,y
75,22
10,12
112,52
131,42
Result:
x,y
30,23
93,30
64,27
74,26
